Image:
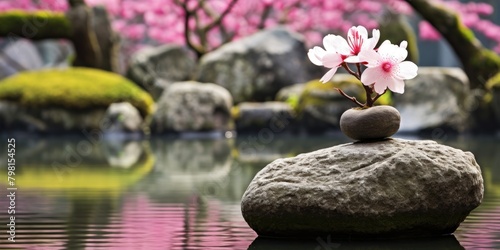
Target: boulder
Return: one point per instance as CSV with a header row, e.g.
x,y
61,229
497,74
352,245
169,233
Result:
x,y
436,98
123,117
155,68
66,100
255,116
193,106
255,68
290,92
320,105
15,116
389,188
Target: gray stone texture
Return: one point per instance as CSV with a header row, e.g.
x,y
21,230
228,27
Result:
x,y
255,68
275,116
123,117
193,106
155,68
436,98
377,122
390,188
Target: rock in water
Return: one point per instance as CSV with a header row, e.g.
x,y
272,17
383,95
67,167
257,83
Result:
x,y
193,106
390,188
437,98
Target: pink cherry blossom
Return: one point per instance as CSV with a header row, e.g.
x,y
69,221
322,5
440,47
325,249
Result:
x,y
386,69
357,40
329,58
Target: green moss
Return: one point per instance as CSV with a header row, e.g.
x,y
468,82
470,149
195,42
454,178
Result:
x,y
294,101
235,112
74,88
493,82
34,25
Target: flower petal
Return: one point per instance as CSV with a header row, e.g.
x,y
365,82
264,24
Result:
x,y
361,31
328,76
341,45
403,44
395,85
380,86
316,54
406,70
371,75
371,57
400,54
372,42
353,59
329,42
331,60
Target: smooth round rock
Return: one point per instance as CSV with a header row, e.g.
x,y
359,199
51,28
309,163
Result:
x,y
373,123
392,188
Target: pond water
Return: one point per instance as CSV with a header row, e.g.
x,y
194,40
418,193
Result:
x,y
168,193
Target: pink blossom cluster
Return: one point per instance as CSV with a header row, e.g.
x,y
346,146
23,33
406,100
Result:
x,y
162,21
385,66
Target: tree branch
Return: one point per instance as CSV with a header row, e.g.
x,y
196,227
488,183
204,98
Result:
x,y
219,19
479,63
353,99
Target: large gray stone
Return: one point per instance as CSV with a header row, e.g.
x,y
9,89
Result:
x,y
255,68
155,68
436,98
123,117
193,106
255,116
51,120
391,188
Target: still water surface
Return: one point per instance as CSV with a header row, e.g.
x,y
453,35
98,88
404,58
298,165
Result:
x,y
166,193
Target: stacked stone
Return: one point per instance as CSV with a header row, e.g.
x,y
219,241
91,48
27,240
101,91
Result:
x,y
376,187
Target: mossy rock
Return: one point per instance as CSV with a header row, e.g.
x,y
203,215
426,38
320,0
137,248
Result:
x,y
35,25
492,97
75,89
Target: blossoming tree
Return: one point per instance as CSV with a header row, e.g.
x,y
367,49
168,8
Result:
x,y
206,24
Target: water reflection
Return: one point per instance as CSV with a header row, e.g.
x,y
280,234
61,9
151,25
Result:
x,y
67,165
169,193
